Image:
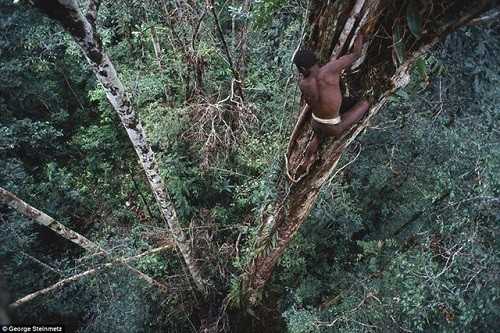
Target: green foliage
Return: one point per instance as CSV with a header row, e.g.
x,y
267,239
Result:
x,y
403,242
413,19
63,153
236,294
301,320
263,10
398,42
34,137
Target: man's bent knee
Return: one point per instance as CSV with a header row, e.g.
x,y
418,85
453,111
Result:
x,y
364,104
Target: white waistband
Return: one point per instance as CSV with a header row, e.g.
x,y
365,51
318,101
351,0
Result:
x,y
333,121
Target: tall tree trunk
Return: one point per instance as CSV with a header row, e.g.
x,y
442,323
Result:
x,y
82,29
396,33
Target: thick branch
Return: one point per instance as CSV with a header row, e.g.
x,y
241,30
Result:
x,y
40,217
14,202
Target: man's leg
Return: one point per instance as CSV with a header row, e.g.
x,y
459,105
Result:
x,y
320,131
310,155
349,118
353,115
312,148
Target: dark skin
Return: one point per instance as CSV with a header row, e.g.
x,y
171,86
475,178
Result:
x,y
321,90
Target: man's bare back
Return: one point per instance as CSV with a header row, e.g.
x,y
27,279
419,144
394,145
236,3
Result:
x,y
321,90
323,97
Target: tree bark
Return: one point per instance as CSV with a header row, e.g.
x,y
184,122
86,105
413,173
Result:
x,y
396,34
40,217
83,32
71,279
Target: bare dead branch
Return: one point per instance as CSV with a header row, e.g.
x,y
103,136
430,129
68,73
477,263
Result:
x,y
66,281
485,19
14,202
44,291
44,265
153,251
40,217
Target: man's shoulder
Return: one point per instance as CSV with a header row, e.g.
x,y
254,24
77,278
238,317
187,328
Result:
x,y
330,75
332,67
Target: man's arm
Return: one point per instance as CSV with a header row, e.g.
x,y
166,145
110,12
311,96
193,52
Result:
x,y
335,66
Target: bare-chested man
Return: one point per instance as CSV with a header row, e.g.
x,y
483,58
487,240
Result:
x,y
321,90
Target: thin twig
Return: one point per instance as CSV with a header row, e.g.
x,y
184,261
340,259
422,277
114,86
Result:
x,y
346,165
41,263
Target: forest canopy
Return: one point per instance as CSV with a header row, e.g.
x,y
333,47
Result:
x,y
144,150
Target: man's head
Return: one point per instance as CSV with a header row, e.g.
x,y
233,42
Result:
x,y
305,59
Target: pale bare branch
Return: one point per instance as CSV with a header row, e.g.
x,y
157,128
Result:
x,y
40,217
14,202
485,19
44,291
41,263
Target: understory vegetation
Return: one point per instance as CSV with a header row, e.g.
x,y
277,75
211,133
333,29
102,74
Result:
x,y
403,238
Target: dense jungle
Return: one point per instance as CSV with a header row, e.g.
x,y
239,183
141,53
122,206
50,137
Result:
x,y
145,152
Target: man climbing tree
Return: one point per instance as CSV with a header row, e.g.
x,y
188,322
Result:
x,y
321,90
399,36
240,221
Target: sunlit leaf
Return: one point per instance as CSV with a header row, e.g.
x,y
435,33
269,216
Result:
x,y
421,68
403,94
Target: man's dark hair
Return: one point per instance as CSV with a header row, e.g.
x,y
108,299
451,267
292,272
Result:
x,y
305,58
